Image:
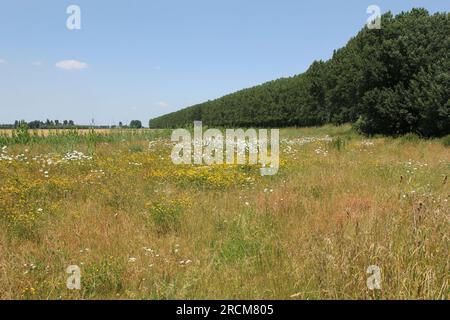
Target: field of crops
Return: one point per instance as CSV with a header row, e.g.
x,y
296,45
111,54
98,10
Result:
x,y
59,132
140,227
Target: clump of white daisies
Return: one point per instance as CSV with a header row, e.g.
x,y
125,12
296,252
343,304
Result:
x,y
4,154
46,159
76,156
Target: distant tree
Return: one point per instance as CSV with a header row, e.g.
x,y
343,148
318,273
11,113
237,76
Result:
x,y
35,124
136,124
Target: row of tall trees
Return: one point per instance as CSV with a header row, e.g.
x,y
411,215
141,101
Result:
x,y
66,124
390,81
37,124
48,124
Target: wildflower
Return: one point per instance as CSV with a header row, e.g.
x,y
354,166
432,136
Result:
x,y
132,259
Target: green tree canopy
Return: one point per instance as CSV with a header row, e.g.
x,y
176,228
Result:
x,y
390,81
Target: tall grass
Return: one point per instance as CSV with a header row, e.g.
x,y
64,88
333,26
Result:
x,y
141,228
22,135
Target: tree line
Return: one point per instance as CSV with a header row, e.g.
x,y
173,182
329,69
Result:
x,y
66,124
391,81
37,124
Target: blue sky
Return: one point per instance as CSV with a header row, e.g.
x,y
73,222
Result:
x,y
145,58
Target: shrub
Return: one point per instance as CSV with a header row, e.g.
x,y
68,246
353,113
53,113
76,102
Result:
x,y
103,277
446,141
166,215
410,137
21,134
136,148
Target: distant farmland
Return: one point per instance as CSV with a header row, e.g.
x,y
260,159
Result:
x,y
48,132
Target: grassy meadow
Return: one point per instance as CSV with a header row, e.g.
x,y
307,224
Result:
x,y
140,227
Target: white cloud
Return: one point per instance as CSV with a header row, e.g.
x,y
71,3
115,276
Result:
x,y
162,104
71,65
2,61
37,63
156,68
